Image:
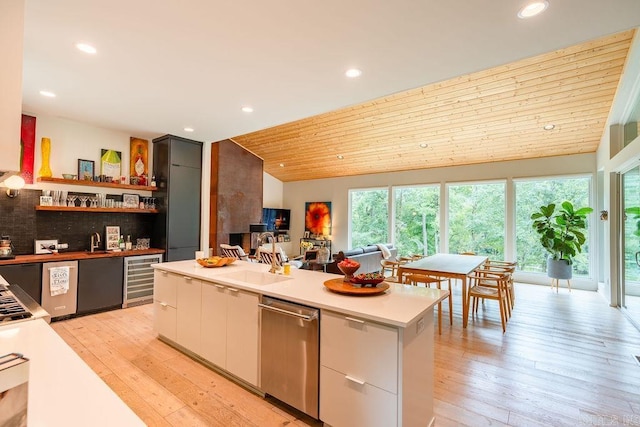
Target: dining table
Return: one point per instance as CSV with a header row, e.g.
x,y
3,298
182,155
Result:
x,y
451,266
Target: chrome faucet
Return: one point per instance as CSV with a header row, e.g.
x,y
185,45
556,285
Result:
x,y
274,261
95,241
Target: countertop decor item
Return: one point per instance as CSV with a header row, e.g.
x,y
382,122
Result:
x,y
348,267
341,287
45,169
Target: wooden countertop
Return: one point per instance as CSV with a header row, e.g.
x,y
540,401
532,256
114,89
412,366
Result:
x,y
78,255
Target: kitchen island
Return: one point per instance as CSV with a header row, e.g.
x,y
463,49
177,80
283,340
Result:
x,y
376,352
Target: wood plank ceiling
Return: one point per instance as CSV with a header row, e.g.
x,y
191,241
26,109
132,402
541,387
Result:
x,y
492,115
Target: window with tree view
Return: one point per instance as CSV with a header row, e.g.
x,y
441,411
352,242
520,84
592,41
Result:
x,y
417,220
477,219
369,216
530,195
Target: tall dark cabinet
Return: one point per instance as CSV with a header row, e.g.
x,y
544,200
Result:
x,y
177,163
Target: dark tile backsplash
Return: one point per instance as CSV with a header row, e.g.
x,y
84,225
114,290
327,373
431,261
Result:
x,y
23,224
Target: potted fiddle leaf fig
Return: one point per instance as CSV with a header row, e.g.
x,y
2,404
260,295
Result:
x,y
562,234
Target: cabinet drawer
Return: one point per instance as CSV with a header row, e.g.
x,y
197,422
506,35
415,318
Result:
x,y
360,348
345,402
164,287
164,320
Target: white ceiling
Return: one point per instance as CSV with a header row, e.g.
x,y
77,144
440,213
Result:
x,y
166,64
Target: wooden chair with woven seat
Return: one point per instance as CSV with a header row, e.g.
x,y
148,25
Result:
x,y
416,279
507,267
390,270
489,285
235,251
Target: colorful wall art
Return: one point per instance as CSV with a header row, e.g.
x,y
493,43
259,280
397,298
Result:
x,y
317,220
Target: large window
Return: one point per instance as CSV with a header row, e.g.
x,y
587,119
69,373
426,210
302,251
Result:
x,y
369,216
417,223
477,219
530,195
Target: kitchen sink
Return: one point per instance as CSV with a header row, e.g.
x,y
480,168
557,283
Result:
x,y
254,277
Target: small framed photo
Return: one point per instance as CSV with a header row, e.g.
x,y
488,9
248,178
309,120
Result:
x,y
46,201
86,169
130,201
111,237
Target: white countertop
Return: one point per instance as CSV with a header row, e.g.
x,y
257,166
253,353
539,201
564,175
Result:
x,y
400,305
63,390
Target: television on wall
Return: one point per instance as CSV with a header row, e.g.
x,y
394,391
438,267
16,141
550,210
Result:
x,y
276,219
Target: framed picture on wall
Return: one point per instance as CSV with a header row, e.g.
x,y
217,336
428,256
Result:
x,y
130,201
111,237
111,164
86,170
317,218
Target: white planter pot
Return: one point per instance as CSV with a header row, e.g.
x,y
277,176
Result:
x,y
559,269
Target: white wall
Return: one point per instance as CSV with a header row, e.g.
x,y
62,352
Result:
x,y
272,192
11,41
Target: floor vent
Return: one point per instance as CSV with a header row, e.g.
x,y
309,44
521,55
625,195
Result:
x,y
637,359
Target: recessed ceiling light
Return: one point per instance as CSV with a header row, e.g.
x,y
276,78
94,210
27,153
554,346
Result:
x,y
550,126
353,73
423,145
86,48
188,129
533,9
247,109
340,156
281,165
47,93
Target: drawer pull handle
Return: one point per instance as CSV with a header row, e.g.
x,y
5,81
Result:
x,y
187,278
233,290
164,304
354,380
165,273
351,319
220,286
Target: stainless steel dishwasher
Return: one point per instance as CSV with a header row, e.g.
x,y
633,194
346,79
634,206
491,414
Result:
x,y
289,344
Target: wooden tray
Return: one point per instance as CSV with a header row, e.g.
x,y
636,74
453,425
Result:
x,y
341,287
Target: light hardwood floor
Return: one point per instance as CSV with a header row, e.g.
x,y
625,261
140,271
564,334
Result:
x,y
565,360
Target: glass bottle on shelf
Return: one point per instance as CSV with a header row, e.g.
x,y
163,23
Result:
x,y
121,243
128,245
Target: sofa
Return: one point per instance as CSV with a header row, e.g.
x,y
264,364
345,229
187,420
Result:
x,y
369,258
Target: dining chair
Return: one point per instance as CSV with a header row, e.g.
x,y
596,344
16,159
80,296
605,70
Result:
x,y
390,270
235,251
489,285
509,267
416,279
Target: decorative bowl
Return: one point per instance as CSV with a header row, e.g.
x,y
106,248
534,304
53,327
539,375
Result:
x,y
69,176
348,268
368,279
215,261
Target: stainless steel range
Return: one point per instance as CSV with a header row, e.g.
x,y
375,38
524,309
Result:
x,y
17,305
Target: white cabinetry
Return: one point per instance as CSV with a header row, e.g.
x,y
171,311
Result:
x,y
230,330
367,378
189,303
243,332
214,324
164,304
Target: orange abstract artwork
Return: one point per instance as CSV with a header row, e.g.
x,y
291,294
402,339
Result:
x,y
317,218
139,157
